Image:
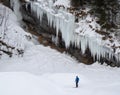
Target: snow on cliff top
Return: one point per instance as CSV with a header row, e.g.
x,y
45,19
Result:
x,y
63,2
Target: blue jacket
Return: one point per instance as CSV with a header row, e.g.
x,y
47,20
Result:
x,y
77,79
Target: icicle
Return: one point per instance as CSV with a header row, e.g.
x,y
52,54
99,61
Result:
x,y
41,12
57,26
50,3
64,22
15,4
38,13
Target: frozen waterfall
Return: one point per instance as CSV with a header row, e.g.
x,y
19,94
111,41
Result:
x,y
15,5
64,22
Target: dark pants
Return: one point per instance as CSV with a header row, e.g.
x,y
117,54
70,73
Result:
x,y
76,84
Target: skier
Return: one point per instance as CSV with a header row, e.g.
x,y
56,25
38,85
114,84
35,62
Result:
x,y
77,81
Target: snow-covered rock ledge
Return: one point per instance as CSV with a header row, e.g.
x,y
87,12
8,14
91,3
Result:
x,y
13,39
83,34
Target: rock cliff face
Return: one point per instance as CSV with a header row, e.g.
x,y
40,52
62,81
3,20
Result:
x,y
47,33
5,2
44,30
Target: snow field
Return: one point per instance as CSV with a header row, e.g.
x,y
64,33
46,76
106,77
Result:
x,y
48,72
26,84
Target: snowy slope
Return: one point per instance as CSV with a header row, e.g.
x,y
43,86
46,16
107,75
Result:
x,y
12,36
53,73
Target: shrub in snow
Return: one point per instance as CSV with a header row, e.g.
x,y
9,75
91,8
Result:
x,y
12,37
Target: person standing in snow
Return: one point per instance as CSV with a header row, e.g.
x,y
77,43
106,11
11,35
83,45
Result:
x,y
77,81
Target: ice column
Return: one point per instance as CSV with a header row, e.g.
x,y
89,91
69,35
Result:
x,y
62,21
15,4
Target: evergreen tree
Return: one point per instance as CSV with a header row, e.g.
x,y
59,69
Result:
x,y
106,10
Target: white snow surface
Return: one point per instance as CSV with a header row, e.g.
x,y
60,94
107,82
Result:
x,y
66,3
43,71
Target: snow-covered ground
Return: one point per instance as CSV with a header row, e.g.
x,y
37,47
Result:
x,y
43,71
